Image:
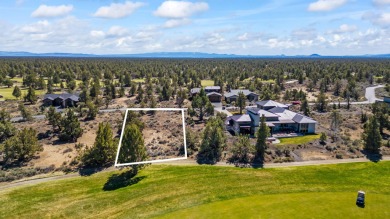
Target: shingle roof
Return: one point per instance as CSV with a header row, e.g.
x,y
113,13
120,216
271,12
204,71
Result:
x,y
62,96
287,115
298,118
270,103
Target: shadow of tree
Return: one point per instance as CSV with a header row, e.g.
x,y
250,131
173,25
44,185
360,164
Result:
x,y
90,171
117,181
374,157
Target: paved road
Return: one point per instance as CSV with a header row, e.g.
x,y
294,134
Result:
x,y
189,162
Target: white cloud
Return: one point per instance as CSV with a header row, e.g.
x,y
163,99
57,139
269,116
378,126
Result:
x,y
326,5
176,22
180,9
118,10
381,19
117,31
52,11
381,2
344,28
35,28
97,34
243,37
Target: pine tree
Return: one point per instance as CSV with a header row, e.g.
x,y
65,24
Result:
x,y
54,117
372,137
321,102
16,92
132,148
6,128
335,123
103,150
261,143
92,110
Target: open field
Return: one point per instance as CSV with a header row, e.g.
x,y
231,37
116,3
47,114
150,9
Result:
x,y
209,192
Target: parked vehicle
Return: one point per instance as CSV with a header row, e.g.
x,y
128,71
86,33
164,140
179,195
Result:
x,y
297,102
360,198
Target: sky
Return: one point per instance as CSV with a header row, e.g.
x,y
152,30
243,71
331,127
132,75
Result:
x,y
251,27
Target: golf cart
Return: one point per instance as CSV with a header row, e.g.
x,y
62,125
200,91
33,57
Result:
x,y
360,198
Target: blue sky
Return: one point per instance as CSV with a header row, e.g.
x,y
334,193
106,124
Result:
x,y
256,27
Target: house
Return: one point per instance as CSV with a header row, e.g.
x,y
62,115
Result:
x,y
212,92
269,104
63,100
239,124
280,120
233,95
214,97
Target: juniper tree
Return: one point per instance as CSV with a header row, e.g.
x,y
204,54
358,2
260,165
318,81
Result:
x,y
199,102
241,101
70,127
261,143
132,146
242,151
31,97
213,142
26,113
22,146
371,136
16,92
103,150
6,128
54,117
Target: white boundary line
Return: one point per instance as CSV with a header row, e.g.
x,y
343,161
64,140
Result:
x,y
151,161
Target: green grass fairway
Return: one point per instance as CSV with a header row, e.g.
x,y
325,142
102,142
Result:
x,y
205,83
325,191
7,93
299,140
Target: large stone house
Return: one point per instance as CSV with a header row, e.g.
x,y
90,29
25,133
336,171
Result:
x,y
279,119
63,100
233,95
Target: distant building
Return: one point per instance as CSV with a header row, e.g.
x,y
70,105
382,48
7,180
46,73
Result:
x,y
233,95
63,100
214,97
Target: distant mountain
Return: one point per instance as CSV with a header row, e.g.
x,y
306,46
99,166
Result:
x,y
178,55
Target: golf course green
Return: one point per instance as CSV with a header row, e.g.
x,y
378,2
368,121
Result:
x,y
167,191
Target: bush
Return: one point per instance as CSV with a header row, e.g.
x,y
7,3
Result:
x,y
339,156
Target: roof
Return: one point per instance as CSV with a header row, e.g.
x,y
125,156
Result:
x,y
214,93
62,96
303,119
261,112
195,90
236,92
212,88
240,118
290,116
270,103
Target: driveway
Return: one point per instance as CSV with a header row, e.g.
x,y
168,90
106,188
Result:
x,y
218,108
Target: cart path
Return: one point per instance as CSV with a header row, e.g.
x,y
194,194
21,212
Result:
x,y
188,162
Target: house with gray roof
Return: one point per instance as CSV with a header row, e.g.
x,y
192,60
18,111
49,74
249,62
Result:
x,y
239,124
63,100
279,119
233,95
212,92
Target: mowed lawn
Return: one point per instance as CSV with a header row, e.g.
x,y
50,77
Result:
x,y
299,140
325,191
